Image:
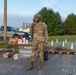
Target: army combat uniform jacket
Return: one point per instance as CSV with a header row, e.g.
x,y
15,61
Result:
x,y
39,31
40,36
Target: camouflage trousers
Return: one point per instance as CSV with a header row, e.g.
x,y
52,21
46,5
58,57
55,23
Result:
x,y
37,45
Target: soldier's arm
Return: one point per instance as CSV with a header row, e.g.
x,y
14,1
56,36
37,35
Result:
x,y
46,33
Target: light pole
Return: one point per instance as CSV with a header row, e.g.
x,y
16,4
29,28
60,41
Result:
x,y
5,20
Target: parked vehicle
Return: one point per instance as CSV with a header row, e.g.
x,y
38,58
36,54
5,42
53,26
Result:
x,y
13,32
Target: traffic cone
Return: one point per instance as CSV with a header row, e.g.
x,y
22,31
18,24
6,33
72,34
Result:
x,y
63,44
52,43
56,40
72,46
65,40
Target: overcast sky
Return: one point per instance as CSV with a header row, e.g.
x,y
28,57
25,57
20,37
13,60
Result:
x,y
20,11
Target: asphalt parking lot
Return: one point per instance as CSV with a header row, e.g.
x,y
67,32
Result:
x,y
58,64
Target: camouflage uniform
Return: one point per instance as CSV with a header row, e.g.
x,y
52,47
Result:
x,y
40,36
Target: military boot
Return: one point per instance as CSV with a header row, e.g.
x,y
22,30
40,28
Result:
x,y
30,67
39,65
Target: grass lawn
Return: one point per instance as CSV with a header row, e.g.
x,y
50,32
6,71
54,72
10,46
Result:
x,y
70,38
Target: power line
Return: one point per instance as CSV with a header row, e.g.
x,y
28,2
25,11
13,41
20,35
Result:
x,y
57,7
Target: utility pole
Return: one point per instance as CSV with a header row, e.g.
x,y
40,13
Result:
x,y
5,20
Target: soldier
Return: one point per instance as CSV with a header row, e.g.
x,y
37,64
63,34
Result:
x,y
40,37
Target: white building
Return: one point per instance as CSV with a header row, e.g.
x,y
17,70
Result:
x,y
24,28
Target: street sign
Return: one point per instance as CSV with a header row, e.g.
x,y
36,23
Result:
x,y
25,52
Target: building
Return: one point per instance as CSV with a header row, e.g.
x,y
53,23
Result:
x,y
24,27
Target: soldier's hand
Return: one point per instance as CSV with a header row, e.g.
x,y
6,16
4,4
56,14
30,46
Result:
x,y
32,24
46,42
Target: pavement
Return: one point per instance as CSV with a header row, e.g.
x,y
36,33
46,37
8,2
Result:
x,y
66,45
57,64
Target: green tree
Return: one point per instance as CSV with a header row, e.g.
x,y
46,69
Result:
x,y
70,24
52,19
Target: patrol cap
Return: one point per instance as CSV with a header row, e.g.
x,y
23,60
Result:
x,y
37,15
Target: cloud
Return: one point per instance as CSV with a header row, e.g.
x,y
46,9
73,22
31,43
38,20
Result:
x,y
16,20
1,20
